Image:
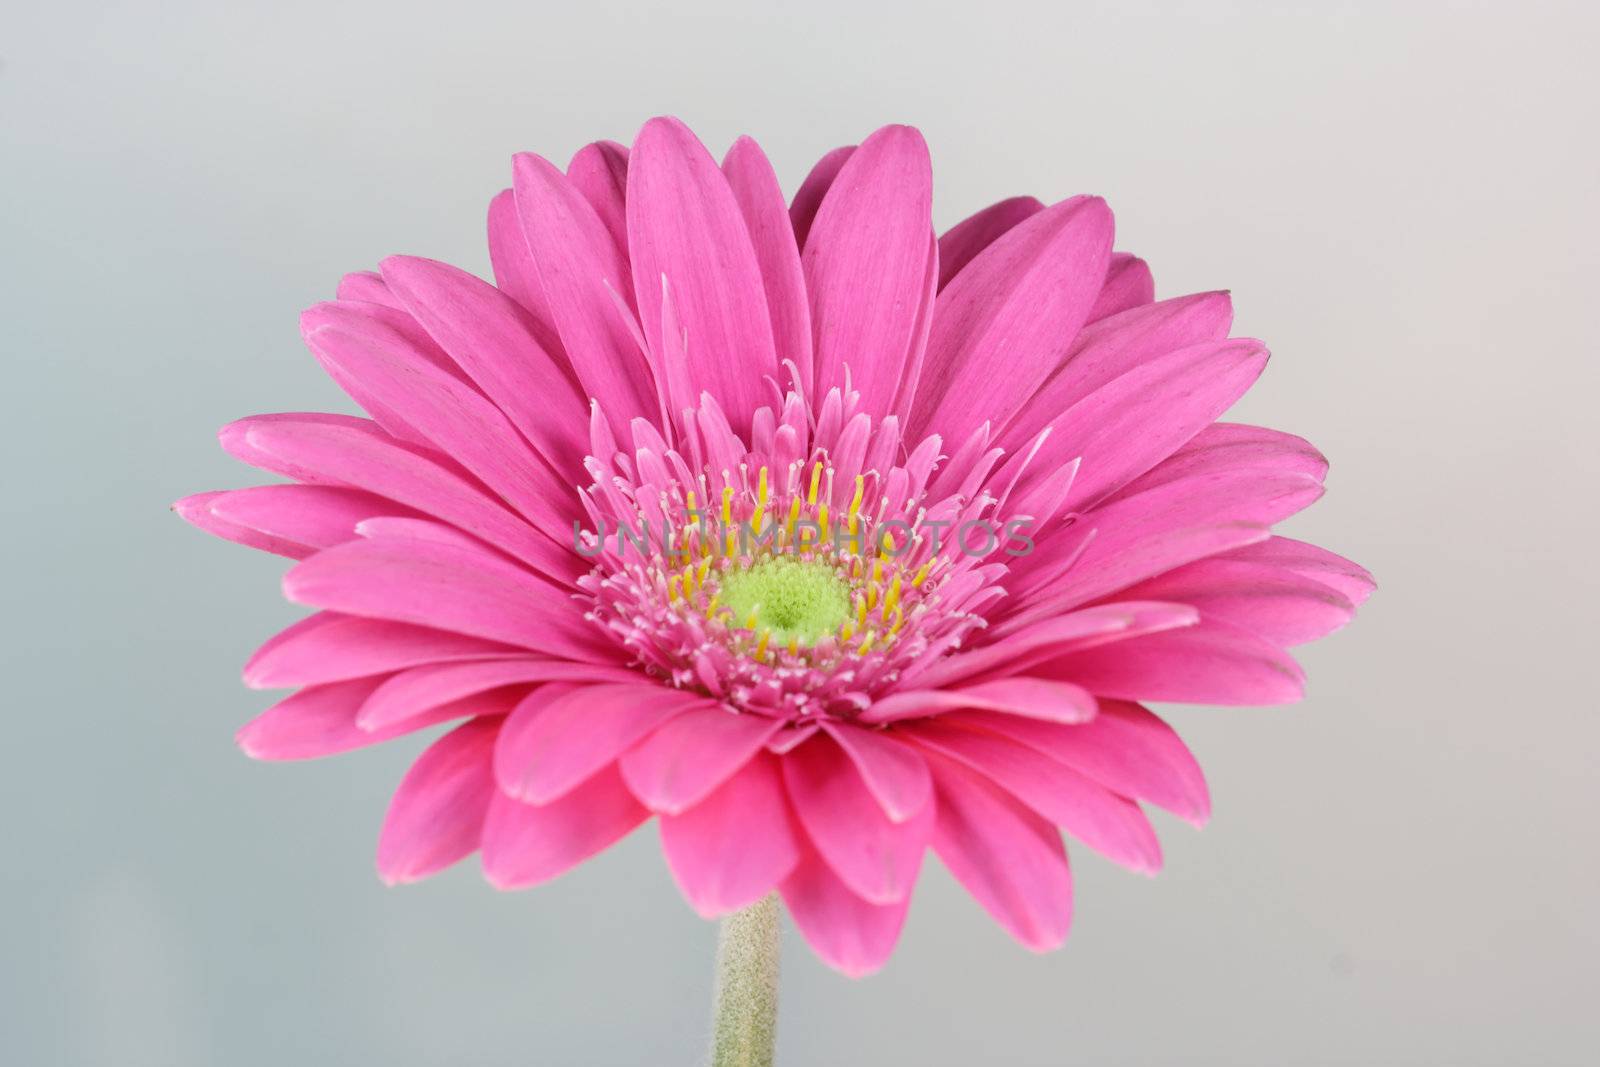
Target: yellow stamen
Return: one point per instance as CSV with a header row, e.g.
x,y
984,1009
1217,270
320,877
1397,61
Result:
x,y
866,642
816,480
892,601
922,575
761,646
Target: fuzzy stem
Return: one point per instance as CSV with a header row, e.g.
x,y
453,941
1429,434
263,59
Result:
x,y
745,1013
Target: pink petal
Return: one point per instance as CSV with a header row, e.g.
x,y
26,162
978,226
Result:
x,y
961,243
319,516
808,198
416,690
1211,663
1009,859
495,340
197,511
755,188
875,856
1135,537
1035,698
449,588
865,264
1129,284
328,647
600,172
582,273
514,271
368,286
320,720
356,454
436,816
735,845
1110,824
452,415
684,226
1008,320
561,735
1336,572
1132,423
893,772
1125,748
1279,605
1106,622
675,767
850,935
1107,349
525,844
1229,446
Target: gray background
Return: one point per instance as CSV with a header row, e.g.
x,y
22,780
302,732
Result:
x,y
1401,870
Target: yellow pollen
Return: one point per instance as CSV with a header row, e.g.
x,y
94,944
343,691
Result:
x,y
892,601
761,646
727,505
816,479
922,575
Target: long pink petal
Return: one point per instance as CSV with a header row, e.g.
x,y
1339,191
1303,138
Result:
x,y
1136,537
320,516
436,816
1231,446
1126,748
1008,858
1133,422
558,737
449,588
684,759
454,416
1210,663
198,511
1008,320
526,844
808,198
848,933
413,691
1034,698
1347,578
1103,623
1271,602
1110,824
583,274
354,453
961,243
496,342
760,200
735,845
865,265
514,271
684,226
600,172
1112,347
895,774
329,647
1129,284
320,721
875,856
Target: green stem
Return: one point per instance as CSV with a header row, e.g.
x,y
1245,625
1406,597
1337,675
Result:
x,y
745,1016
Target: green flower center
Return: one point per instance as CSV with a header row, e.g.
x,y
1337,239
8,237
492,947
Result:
x,y
798,600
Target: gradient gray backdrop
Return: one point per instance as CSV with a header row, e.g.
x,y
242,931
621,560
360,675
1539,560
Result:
x,y
1401,870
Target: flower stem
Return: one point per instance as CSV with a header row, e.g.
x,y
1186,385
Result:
x,y
745,1014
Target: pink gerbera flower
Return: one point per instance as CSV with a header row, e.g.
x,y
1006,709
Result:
x,y
821,540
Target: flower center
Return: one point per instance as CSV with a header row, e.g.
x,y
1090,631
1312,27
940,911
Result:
x,y
800,601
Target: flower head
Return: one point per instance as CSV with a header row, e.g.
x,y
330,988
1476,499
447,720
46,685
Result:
x,y
821,540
